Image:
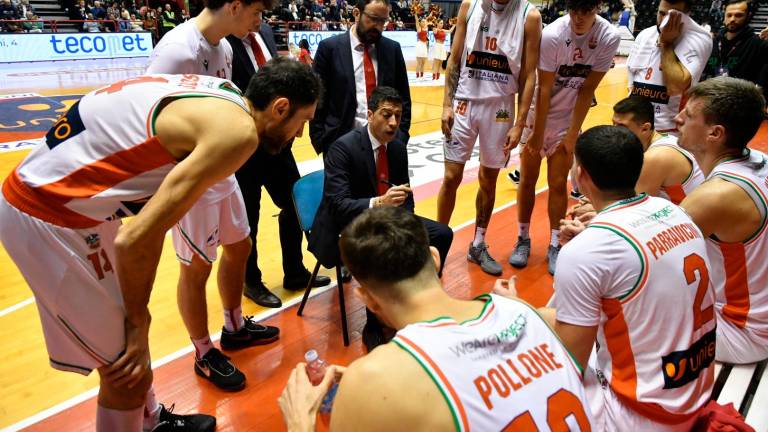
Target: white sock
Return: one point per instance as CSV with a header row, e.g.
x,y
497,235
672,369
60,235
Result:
x,y
479,236
112,420
523,230
233,319
554,239
151,410
202,346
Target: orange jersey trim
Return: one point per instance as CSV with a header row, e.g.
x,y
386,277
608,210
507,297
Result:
x,y
736,308
675,192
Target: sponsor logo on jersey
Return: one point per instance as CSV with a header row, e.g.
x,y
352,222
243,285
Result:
x,y
93,241
485,29
576,70
568,42
488,345
592,42
682,367
655,93
488,62
66,127
502,116
213,238
205,64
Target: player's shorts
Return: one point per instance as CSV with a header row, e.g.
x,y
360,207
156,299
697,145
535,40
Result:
x,y
71,274
489,122
553,135
206,226
422,51
610,415
438,52
738,345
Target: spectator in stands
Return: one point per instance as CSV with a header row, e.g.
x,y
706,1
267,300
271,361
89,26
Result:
x,y
113,9
169,20
25,8
124,23
79,12
33,24
8,12
98,12
136,23
738,52
91,26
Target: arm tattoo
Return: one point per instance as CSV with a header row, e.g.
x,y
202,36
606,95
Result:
x,y
452,80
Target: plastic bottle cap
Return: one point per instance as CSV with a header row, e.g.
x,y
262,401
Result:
x,y
311,356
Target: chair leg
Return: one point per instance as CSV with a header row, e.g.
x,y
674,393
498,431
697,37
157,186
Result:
x,y
308,289
344,331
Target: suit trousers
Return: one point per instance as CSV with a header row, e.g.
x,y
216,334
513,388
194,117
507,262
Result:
x,y
276,173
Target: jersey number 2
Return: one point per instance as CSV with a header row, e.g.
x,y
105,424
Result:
x,y
692,264
560,405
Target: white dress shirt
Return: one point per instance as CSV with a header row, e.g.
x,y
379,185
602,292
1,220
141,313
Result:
x,y
264,50
361,116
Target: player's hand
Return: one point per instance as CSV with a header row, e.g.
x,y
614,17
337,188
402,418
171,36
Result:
x,y
534,144
513,137
130,368
570,228
446,121
395,195
583,209
300,400
673,28
506,287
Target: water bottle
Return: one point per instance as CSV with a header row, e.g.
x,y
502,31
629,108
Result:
x,y
316,371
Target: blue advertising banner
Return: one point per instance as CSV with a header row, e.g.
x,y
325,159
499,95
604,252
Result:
x,y
73,46
406,39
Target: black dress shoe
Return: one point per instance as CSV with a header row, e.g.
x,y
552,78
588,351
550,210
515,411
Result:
x,y
346,275
262,296
296,283
373,335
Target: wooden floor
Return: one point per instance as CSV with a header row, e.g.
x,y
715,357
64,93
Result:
x,y
34,395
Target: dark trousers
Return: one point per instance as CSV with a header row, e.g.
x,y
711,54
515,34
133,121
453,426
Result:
x,y
277,173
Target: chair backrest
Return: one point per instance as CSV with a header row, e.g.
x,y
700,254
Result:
x,y
307,194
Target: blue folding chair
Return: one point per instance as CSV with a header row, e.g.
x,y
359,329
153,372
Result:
x,y
307,194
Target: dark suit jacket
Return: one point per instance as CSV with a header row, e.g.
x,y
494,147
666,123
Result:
x,y
350,183
333,63
242,67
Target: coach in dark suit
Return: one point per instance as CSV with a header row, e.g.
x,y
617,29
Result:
x,y
277,173
368,167
351,63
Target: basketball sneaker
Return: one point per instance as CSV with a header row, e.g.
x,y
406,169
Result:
x,y
552,253
251,334
216,368
514,175
520,253
170,422
479,255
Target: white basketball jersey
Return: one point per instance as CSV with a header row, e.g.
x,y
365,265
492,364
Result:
x,y
572,57
486,71
641,274
91,169
184,50
677,192
739,270
504,370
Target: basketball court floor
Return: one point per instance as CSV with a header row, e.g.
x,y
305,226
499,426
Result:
x,y
35,397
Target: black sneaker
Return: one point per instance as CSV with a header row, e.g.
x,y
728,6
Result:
x,y
514,175
170,422
251,334
576,194
216,368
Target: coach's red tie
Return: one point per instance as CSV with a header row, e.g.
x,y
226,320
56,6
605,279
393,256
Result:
x,y
382,169
256,48
370,73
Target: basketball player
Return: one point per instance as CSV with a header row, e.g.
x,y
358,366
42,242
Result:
x,y
576,52
638,285
493,57
667,59
486,364
198,46
721,117
146,147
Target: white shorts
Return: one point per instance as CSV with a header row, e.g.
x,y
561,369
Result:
x,y
487,120
738,345
71,274
438,52
206,226
422,51
553,135
610,415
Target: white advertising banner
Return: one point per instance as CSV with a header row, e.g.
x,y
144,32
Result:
x,y
406,39
27,47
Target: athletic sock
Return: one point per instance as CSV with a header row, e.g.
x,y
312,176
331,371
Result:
x,y
554,239
523,230
108,419
233,319
479,236
202,346
151,410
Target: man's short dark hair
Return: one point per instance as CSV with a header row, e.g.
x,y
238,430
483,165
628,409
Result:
x,y
582,5
687,4
736,104
217,4
283,77
384,94
640,107
384,246
613,158
750,5
361,4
